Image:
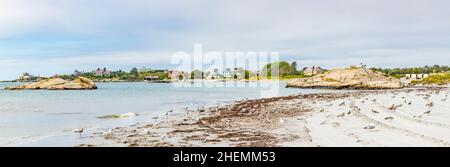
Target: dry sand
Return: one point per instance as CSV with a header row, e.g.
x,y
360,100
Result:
x,y
406,117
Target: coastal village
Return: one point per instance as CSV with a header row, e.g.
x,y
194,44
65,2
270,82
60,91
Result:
x,y
354,77
286,71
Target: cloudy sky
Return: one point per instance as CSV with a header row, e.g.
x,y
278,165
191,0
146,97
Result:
x,y
57,36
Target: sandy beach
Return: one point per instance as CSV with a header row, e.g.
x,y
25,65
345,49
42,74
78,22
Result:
x,y
404,117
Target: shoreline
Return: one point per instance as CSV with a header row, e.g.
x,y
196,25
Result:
x,y
401,117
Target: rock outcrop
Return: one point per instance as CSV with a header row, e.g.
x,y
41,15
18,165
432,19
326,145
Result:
x,y
80,83
348,78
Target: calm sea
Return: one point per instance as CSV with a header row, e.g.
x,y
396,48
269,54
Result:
x,y
47,118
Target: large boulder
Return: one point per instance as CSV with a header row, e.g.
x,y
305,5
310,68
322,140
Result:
x,y
348,78
80,83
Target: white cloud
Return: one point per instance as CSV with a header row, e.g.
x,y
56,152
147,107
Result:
x,y
379,32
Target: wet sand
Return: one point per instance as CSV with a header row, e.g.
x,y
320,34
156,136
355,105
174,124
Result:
x,y
406,117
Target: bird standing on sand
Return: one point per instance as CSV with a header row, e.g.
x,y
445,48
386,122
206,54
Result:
x,y
80,131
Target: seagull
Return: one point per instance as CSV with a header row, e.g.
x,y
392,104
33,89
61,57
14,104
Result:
x,y
80,131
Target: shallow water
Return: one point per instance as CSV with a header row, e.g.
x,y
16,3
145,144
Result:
x,y
47,118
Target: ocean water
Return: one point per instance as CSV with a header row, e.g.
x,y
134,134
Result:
x,y
47,118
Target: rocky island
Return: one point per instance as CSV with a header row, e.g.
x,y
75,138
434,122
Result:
x,y
80,83
348,78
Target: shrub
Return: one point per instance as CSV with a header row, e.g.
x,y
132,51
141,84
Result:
x,y
438,79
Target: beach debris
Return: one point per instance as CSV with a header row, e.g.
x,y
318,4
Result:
x,y
164,136
115,116
374,100
370,126
128,114
282,120
108,132
336,124
363,101
389,118
144,132
375,111
322,110
342,104
80,131
427,112
349,112
341,115
409,103
155,117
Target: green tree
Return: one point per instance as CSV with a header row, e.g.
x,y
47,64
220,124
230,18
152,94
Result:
x,y
134,71
196,74
247,74
294,66
277,68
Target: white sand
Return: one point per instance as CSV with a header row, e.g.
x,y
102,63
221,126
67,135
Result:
x,y
409,126
363,118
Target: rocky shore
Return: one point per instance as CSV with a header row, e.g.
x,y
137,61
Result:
x,y
406,117
348,78
80,83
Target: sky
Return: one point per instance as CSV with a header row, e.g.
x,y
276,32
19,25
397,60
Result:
x,y
46,37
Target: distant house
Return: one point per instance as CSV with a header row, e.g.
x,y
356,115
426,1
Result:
x,y
416,76
214,75
178,75
310,71
101,72
151,78
25,77
227,73
77,73
239,72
